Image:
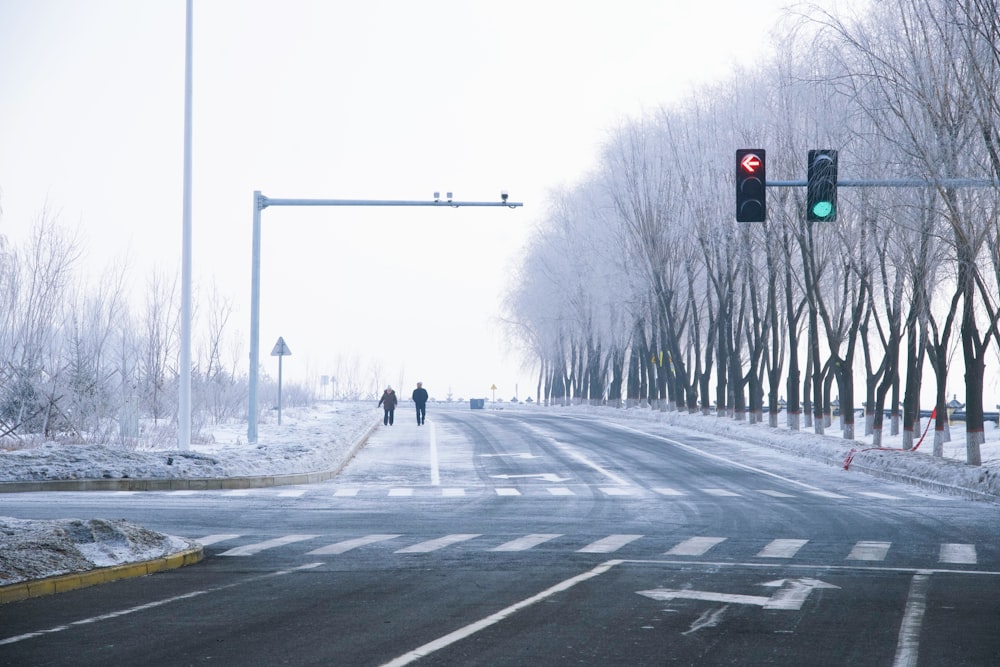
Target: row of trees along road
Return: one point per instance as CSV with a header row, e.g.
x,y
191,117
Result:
x,y
640,288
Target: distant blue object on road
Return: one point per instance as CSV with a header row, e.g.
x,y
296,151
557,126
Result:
x,y
477,403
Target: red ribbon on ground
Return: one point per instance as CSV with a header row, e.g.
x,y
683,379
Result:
x,y
850,454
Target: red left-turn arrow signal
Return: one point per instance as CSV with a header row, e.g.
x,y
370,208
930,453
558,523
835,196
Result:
x,y
750,163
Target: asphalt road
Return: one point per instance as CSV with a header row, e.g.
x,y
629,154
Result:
x,y
513,538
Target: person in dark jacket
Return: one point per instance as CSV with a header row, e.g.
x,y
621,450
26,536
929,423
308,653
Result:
x,y
420,400
388,403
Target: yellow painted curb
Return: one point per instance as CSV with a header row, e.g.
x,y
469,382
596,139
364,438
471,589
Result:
x,y
101,575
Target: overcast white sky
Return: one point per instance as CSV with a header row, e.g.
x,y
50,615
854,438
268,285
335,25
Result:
x,y
382,99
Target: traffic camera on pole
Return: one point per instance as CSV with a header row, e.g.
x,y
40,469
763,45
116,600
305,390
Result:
x,y
821,189
751,182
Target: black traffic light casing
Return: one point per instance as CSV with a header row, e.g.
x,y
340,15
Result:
x,y
821,188
751,185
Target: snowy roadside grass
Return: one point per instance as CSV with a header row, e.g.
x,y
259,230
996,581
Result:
x,y
310,439
34,549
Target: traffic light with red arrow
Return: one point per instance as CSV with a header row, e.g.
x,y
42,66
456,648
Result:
x,y
751,185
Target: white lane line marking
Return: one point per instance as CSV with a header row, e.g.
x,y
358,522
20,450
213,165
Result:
x,y
908,644
826,494
959,553
782,549
695,546
435,471
400,492
183,492
869,551
775,494
667,491
439,543
238,492
527,542
292,494
151,605
560,491
590,464
608,544
346,545
251,549
722,493
493,619
218,537
452,492
507,491
880,496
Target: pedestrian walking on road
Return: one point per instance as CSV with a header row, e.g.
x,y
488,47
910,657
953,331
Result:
x,y
420,400
388,403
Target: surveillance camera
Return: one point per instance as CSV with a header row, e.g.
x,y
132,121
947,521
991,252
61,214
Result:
x,y
437,196
503,196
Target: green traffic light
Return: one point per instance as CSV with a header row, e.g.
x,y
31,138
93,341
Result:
x,y
822,209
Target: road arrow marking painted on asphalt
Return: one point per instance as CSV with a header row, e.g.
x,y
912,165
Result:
x,y
548,477
790,596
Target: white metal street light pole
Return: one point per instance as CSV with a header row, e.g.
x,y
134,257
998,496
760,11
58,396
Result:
x,y
260,202
184,379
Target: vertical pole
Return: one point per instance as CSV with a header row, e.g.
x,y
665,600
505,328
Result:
x,y
184,380
281,357
254,319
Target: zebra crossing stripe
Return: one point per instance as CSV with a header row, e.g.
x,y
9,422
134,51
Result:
x,y
452,493
348,493
439,543
347,545
608,544
964,554
400,492
722,493
665,491
251,549
869,551
782,549
560,491
527,542
695,546
507,491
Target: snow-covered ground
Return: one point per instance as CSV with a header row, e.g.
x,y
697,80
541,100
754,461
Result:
x,y
319,438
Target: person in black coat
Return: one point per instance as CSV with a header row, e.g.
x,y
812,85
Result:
x,y
388,403
420,400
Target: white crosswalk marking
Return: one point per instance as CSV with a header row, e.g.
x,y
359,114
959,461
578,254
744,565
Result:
x,y
560,491
724,493
880,496
212,539
238,492
346,493
775,494
452,493
964,554
869,551
507,491
666,491
400,492
608,544
695,546
782,549
298,493
439,543
183,492
347,545
251,549
527,542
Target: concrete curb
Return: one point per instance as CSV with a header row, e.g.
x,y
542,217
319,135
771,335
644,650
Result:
x,y
102,575
189,483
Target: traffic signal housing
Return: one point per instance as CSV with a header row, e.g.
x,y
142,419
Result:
x,y
821,188
751,185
